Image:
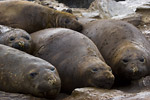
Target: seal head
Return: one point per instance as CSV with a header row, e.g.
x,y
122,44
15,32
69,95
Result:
x,y
68,21
18,39
24,73
131,63
98,73
43,82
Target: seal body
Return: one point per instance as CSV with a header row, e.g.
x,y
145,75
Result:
x,y
16,38
33,17
123,47
76,58
23,73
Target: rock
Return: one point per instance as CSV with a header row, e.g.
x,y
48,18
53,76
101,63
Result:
x,y
110,8
145,29
135,19
119,0
101,94
17,96
138,90
52,4
145,11
77,3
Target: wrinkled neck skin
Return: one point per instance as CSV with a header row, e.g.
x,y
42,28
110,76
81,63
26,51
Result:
x,y
57,20
54,17
60,18
64,20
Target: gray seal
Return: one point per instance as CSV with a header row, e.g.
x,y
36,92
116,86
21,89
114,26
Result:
x,y
75,56
16,38
123,46
24,73
32,17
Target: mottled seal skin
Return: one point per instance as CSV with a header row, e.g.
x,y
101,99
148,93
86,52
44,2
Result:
x,y
16,38
24,73
76,58
33,17
123,47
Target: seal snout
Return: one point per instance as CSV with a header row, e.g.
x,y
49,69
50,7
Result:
x,y
133,72
104,80
79,28
21,45
109,75
50,86
108,80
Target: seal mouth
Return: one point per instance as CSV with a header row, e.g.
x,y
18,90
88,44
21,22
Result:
x,y
103,83
134,76
52,93
132,73
21,46
80,28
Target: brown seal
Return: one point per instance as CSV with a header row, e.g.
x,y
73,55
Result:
x,y
76,58
23,73
123,47
16,38
33,17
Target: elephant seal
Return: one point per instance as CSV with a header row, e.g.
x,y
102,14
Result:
x,y
76,58
123,47
24,73
16,38
32,17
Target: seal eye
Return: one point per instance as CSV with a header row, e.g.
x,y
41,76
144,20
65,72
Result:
x,y
26,37
142,60
77,18
125,60
12,38
110,69
33,74
94,69
52,68
67,21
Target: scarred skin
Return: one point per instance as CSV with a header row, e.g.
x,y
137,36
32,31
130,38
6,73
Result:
x,y
123,47
23,73
33,17
16,38
76,58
